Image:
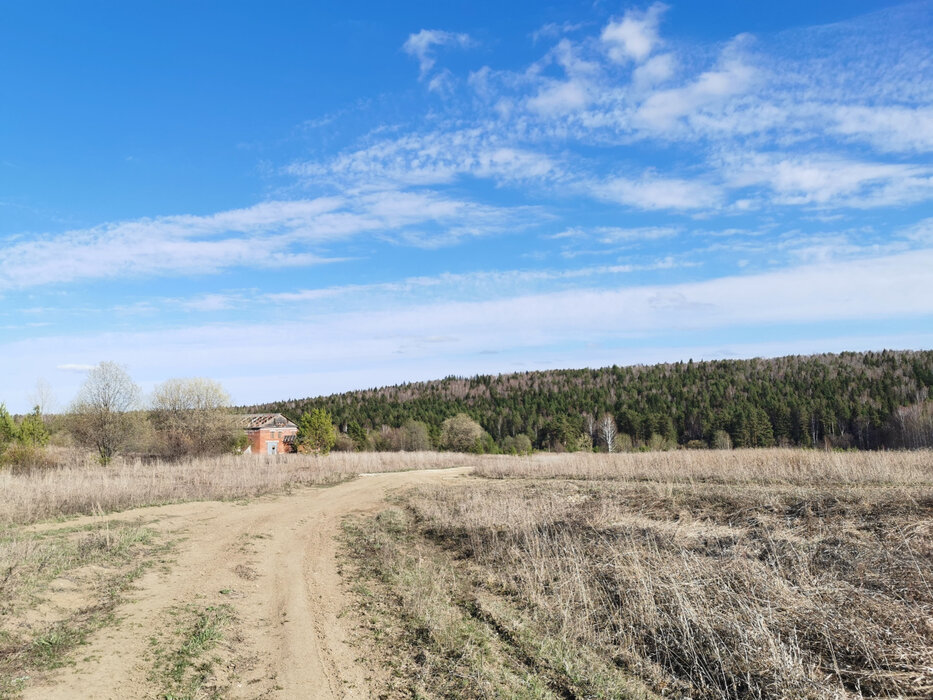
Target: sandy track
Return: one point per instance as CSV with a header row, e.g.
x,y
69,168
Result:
x,y
275,558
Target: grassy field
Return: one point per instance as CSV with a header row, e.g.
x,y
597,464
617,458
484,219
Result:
x,y
79,485
745,574
701,574
59,582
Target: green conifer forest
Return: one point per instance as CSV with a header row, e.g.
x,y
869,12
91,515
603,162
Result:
x,y
849,400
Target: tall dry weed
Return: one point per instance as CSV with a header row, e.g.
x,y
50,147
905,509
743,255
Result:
x,y
80,485
775,466
736,580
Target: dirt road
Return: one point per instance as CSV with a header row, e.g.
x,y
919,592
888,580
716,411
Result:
x,y
274,561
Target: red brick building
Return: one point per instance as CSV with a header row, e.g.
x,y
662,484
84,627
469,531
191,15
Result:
x,y
268,433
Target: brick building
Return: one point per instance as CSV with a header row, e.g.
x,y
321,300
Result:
x,y
268,433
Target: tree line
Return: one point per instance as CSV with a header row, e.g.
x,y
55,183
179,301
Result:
x,y
109,415
866,400
869,400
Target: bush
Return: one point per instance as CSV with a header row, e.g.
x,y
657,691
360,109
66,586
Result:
x,y
518,445
658,442
461,434
721,440
415,436
22,458
624,443
344,443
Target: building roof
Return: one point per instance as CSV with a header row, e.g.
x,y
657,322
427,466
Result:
x,y
255,421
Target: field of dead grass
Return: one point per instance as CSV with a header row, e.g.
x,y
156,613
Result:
x,y
745,574
80,485
753,466
61,582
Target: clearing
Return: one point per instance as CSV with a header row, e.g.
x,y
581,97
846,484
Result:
x,y
685,574
266,570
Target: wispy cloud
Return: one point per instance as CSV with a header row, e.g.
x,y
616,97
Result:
x,y
270,234
422,45
388,341
888,128
635,36
651,192
486,284
831,181
430,158
711,90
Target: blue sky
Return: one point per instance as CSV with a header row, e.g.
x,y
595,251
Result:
x,y
302,198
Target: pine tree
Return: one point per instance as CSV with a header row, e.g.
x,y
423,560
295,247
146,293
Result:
x,y
8,430
32,431
316,432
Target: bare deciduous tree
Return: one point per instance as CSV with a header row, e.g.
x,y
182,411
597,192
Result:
x,y
607,431
589,425
43,397
192,417
100,416
415,436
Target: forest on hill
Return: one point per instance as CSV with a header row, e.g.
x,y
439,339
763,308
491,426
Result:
x,y
865,400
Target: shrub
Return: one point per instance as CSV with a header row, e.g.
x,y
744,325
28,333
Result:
x,y
344,443
518,445
461,434
721,440
21,458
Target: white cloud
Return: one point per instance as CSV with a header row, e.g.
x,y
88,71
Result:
x,y
651,192
170,245
212,302
560,97
889,128
431,158
282,230
662,109
635,36
422,44
552,30
465,286
394,343
921,232
615,234
655,70
824,180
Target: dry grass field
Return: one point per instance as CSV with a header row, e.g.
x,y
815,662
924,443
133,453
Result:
x,y
700,574
744,574
61,582
79,485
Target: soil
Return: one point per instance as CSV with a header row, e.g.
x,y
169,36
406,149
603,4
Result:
x,y
274,560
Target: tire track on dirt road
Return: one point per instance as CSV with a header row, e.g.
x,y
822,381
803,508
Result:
x,y
274,559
